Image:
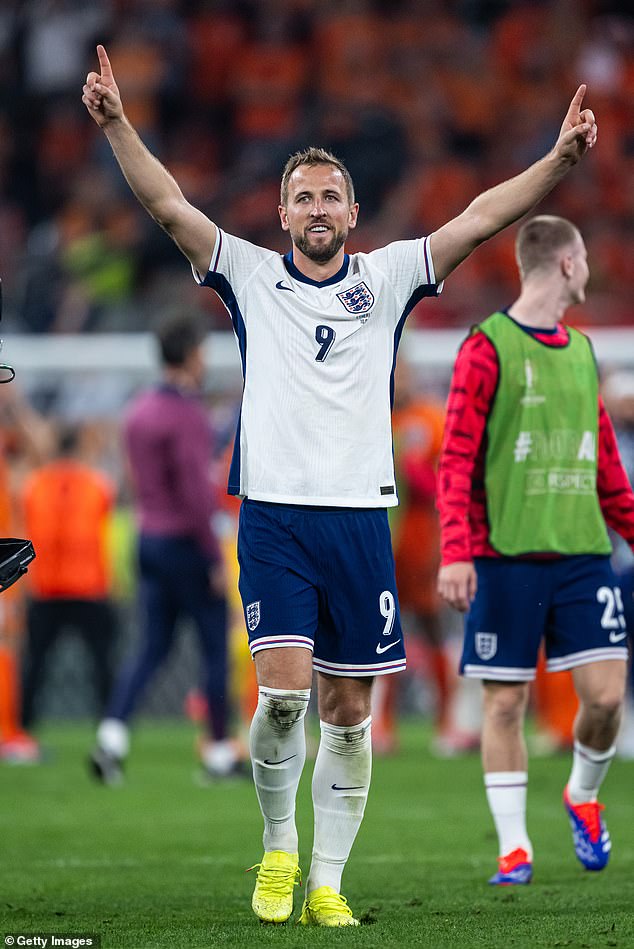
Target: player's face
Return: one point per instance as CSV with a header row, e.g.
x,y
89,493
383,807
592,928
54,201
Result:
x,y
318,214
579,271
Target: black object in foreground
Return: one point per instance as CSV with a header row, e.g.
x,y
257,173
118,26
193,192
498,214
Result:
x,y
15,553
15,556
7,373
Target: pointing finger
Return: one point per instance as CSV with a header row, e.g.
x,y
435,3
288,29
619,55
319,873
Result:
x,y
575,105
104,64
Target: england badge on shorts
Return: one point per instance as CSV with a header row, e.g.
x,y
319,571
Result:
x,y
253,615
358,300
486,645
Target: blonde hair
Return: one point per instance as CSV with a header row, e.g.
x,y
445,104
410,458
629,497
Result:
x,y
539,239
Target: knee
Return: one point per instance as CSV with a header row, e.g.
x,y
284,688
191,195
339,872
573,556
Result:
x,y
344,701
504,706
283,711
605,706
346,711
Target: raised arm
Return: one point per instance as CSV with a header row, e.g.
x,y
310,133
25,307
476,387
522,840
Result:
x,y
495,209
152,184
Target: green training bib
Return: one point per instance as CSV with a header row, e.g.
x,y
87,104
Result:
x,y
541,455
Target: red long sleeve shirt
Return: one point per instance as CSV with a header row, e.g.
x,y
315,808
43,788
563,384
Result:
x,y
461,495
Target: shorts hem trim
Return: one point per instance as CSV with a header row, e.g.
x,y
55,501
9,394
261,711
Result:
x,y
560,663
280,642
358,670
498,673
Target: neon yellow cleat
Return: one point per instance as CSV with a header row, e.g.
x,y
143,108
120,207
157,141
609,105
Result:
x,y
277,875
325,907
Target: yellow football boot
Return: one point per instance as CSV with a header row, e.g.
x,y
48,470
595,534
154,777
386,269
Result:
x,y
325,907
278,875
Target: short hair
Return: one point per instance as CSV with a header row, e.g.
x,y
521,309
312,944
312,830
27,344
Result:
x,y
178,335
539,239
314,156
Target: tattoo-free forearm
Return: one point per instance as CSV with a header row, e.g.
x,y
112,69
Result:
x,y
495,209
150,181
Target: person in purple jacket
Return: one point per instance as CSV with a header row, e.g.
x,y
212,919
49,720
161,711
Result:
x,y
168,445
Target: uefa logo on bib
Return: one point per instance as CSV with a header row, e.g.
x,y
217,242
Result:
x,y
486,645
253,615
358,300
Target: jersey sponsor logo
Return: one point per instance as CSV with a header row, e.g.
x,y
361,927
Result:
x,y
280,285
253,615
486,645
358,300
381,649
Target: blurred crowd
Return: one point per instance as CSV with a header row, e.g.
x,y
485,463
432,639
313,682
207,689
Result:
x,y
428,104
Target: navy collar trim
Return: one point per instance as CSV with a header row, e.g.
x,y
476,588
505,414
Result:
x,y
296,274
534,330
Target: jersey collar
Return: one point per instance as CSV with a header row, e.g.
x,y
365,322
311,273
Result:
x,y
557,335
298,275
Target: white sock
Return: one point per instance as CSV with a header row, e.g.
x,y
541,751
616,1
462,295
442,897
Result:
x,y
277,743
506,794
341,781
589,767
114,737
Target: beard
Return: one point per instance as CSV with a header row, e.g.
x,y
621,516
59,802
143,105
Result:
x,y
320,255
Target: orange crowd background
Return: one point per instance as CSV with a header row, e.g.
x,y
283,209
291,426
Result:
x,y
428,103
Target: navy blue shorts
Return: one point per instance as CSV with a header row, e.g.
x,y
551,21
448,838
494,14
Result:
x,y
323,579
574,604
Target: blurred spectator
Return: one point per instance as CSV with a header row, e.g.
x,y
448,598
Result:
x,y
418,421
24,440
168,444
55,38
67,508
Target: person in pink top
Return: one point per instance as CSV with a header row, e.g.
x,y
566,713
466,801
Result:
x,y
168,444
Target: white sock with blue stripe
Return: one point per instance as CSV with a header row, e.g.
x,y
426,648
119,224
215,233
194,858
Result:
x,y
589,767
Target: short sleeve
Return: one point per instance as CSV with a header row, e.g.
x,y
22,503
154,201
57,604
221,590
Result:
x,y
233,259
409,268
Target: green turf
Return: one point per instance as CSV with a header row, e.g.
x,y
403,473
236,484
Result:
x,y
160,862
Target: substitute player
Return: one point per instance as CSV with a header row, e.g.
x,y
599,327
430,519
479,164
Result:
x,y
529,476
317,331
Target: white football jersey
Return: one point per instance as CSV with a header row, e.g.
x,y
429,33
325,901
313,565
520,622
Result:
x,y
318,363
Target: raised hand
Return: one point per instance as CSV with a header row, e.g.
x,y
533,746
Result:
x,y
579,130
101,94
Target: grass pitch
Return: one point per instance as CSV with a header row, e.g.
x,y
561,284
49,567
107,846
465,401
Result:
x,y
160,862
